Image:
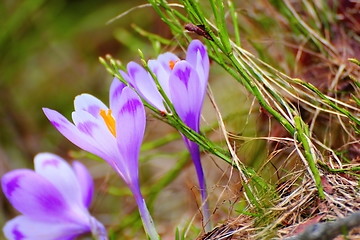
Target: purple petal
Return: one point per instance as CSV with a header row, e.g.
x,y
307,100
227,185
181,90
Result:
x,y
130,126
86,183
89,103
70,131
101,141
161,74
62,176
165,60
198,57
184,89
86,127
34,196
115,91
127,78
145,85
23,227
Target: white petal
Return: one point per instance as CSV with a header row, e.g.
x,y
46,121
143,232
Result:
x,y
89,103
62,176
98,134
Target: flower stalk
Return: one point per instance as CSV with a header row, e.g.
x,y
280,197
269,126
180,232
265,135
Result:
x,y
114,134
177,89
146,218
195,155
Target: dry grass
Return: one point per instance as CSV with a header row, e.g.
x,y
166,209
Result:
x,y
297,207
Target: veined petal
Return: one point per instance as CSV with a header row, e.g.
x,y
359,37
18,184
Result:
x,y
86,183
145,85
89,103
115,91
184,89
71,132
26,228
35,196
198,57
63,178
129,113
102,142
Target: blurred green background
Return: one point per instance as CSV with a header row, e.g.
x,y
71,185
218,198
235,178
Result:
x,y
48,54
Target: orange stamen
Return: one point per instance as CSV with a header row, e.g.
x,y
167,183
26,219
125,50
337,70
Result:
x,y
109,120
172,64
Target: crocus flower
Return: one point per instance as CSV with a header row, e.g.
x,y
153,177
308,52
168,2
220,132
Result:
x,y
184,82
114,134
54,201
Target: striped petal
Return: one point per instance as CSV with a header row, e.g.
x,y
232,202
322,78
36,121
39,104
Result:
x,y
184,85
35,196
116,89
26,228
69,130
198,58
129,113
102,142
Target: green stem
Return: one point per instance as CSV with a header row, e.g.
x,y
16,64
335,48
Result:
x,y
303,137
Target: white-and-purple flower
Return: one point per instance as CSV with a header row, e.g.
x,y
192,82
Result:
x,y
114,134
184,82
54,201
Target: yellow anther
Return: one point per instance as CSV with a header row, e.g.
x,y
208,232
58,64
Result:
x,y
172,64
109,120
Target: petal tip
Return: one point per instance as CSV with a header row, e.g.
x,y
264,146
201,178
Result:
x,y
44,160
10,183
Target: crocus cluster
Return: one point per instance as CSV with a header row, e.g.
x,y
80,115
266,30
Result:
x,y
184,82
53,200
114,134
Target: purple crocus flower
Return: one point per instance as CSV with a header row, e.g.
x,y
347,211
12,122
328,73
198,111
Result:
x,y
54,201
114,134
184,82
